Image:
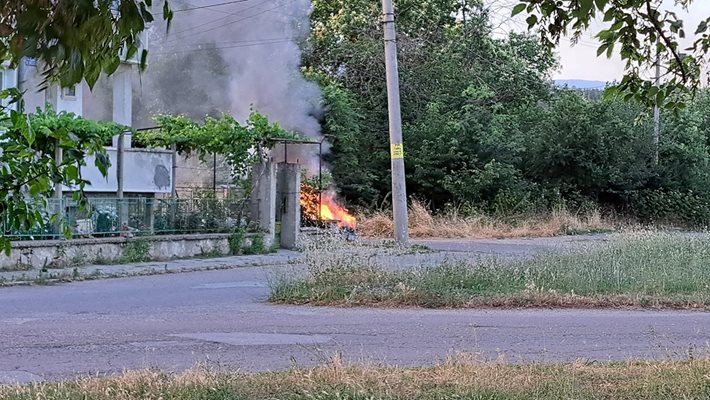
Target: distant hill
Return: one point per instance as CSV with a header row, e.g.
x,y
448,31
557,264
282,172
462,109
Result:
x,y
580,84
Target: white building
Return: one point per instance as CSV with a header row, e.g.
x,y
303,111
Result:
x,y
146,172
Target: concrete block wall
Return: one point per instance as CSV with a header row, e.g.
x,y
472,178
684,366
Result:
x,y
63,253
276,195
289,203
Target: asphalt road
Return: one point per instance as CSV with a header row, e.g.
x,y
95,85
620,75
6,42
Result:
x,y
220,318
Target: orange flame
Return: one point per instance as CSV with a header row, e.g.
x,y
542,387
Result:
x,y
325,208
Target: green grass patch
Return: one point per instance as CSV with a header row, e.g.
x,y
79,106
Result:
x,y
453,380
646,271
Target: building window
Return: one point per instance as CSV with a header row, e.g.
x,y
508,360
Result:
x,y
69,92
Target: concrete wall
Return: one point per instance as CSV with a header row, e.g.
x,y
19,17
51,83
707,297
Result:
x,y
63,253
145,171
193,173
98,102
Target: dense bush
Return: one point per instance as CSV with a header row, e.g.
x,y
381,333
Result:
x,y
485,128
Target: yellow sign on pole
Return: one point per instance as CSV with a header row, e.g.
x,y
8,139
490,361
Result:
x,y
397,151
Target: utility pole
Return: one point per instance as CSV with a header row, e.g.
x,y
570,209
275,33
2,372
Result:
x,y
657,113
399,187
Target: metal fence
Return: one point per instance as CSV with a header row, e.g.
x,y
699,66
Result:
x,y
105,217
193,192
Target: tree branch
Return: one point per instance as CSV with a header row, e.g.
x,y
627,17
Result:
x,y
666,40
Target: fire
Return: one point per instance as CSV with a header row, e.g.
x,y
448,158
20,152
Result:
x,y
324,208
332,211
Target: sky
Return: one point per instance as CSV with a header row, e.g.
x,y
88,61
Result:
x,y
580,61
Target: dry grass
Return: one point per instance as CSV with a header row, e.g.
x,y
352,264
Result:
x,y
450,225
458,378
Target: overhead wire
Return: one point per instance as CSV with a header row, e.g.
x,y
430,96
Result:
x,y
228,44
226,24
213,21
254,42
232,13
241,45
207,6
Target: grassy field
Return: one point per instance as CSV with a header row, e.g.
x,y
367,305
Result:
x,y
639,270
455,381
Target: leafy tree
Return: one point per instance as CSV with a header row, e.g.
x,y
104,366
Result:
x,y
241,145
641,30
28,169
342,125
685,149
459,87
589,148
73,41
483,126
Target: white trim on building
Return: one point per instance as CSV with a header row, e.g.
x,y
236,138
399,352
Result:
x,y
8,79
145,172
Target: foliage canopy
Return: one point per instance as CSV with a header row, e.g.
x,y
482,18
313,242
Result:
x,y
484,128
241,145
72,41
641,30
28,169
75,40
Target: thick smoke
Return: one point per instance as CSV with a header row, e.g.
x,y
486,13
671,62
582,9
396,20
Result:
x,y
266,72
233,58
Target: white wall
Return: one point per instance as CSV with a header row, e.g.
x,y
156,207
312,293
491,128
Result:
x,y
8,80
145,172
30,81
67,102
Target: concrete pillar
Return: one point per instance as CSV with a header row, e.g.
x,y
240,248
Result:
x,y
149,217
58,190
173,190
290,201
123,100
122,114
263,199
